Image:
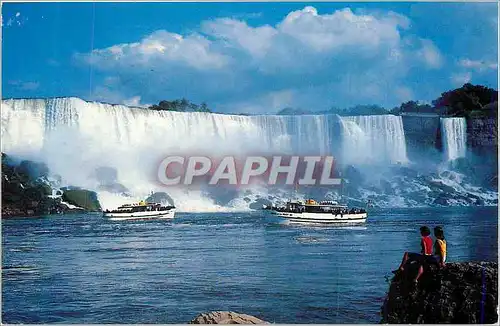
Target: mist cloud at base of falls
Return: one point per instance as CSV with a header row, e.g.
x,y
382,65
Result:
x,y
75,137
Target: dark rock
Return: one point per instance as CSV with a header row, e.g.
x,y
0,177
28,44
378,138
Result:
x,y
482,135
24,190
492,181
106,175
160,197
354,177
387,187
226,317
439,185
85,199
115,188
222,194
108,180
442,199
421,134
460,293
32,169
259,203
406,171
418,196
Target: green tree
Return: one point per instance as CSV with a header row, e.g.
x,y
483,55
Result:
x,y
466,100
364,110
182,105
413,107
204,107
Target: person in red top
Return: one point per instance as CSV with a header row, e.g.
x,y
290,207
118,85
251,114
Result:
x,y
426,250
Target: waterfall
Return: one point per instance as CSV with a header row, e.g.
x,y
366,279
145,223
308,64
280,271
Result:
x,y
373,139
454,137
75,137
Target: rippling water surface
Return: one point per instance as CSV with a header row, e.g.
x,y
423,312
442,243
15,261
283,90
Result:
x,y
85,269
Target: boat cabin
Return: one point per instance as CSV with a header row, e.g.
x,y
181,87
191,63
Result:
x,y
141,207
311,206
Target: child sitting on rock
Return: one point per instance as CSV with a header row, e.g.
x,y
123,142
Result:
x,y
426,250
426,257
439,257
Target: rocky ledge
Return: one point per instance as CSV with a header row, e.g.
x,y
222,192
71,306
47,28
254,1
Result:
x,y
27,191
226,317
461,293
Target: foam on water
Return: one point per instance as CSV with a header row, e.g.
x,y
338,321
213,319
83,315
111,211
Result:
x,y
74,137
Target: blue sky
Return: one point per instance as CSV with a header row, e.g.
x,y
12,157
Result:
x,y
248,57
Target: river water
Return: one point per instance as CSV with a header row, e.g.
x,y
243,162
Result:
x,y
85,269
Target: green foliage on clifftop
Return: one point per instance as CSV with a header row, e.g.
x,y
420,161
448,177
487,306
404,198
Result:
x,y
414,107
469,100
82,198
180,105
352,111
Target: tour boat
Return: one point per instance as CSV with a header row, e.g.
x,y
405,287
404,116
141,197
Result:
x,y
312,212
141,210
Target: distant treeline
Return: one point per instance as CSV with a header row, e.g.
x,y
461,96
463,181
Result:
x,y
466,101
355,110
182,105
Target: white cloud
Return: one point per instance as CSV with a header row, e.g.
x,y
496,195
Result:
x,y
161,47
430,54
461,78
266,102
471,67
281,99
25,85
108,94
133,101
237,34
228,61
343,28
30,85
404,93
478,65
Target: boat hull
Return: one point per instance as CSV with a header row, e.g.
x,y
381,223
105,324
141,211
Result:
x,y
168,214
321,218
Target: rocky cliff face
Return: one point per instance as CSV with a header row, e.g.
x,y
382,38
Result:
x,y
461,293
482,135
26,191
421,133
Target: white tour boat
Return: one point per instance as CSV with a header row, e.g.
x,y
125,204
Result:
x,y
312,212
141,210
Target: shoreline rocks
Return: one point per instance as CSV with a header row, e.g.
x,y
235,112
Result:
x,y
226,317
461,293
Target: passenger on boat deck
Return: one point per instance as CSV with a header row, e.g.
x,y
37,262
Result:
x,y
426,250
